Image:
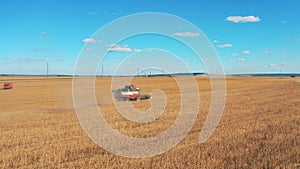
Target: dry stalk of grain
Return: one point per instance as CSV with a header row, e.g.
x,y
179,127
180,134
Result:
x,y
259,127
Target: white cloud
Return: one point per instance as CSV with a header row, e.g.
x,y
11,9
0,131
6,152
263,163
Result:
x,y
275,65
58,57
26,60
291,39
216,41
111,45
228,45
137,50
187,34
243,19
206,59
241,59
119,48
48,37
266,52
45,36
235,54
91,40
246,52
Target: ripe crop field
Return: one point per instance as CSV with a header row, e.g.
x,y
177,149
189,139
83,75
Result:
x,y
260,125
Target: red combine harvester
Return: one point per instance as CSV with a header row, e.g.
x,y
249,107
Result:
x,y
128,93
8,85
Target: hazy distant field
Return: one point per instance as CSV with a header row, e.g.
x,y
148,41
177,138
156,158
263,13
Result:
x,y
260,127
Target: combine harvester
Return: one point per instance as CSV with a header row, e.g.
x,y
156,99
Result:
x,y
8,85
129,93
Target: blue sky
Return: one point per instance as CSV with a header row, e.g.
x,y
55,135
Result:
x,y
249,36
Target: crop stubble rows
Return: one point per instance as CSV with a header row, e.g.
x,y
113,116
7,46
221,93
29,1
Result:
x,y
259,127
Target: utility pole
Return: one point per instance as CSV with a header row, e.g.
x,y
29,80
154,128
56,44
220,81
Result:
x,y
102,70
138,71
47,69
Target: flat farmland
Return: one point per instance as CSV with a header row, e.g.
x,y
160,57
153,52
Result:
x,y
259,128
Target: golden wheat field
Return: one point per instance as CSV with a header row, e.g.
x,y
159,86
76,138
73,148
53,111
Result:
x,y
260,125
